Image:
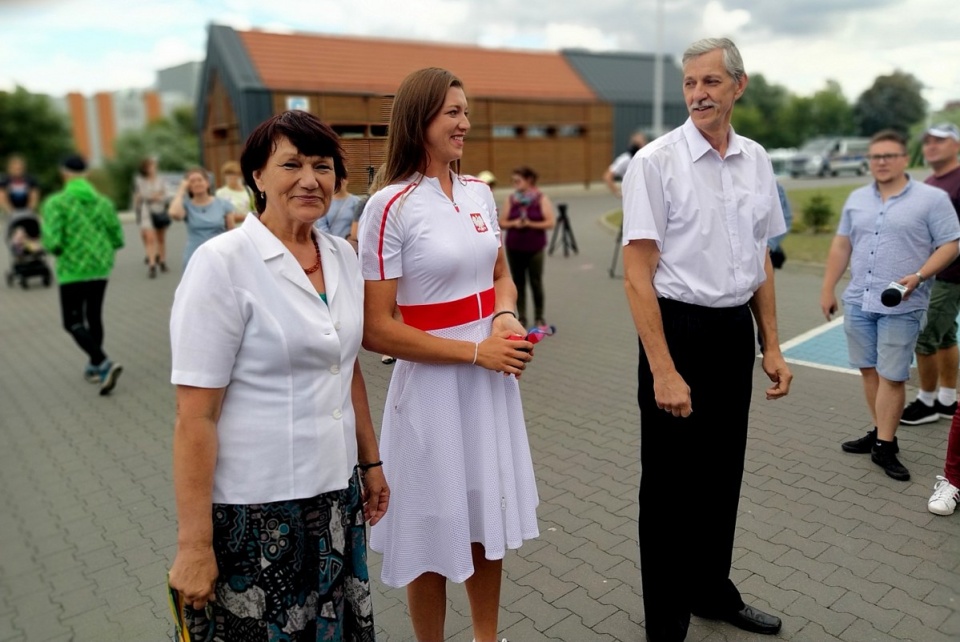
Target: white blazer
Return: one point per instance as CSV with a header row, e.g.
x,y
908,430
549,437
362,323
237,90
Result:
x,y
246,318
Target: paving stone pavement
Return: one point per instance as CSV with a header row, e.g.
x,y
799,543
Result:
x,y
826,540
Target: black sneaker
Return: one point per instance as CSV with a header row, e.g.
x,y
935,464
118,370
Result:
x,y
885,456
947,412
865,444
917,413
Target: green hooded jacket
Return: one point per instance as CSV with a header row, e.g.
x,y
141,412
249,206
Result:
x,y
81,228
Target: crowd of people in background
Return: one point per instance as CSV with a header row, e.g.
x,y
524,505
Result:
x,y
274,436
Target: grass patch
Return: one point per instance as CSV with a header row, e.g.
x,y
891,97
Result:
x,y
800,245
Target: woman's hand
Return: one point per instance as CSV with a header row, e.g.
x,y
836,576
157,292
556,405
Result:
x,y
509,356
376,494
194,574
506,325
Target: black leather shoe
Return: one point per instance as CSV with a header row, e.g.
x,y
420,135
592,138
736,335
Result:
x,y
750,619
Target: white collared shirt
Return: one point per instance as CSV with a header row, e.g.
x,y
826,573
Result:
x,y
246,318
710,216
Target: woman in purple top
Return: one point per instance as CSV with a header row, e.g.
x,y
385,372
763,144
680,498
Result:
x,y
526,215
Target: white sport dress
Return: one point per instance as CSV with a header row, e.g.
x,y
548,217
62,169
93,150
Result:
x,y
453,441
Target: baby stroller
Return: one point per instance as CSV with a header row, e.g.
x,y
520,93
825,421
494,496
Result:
x,y
27,256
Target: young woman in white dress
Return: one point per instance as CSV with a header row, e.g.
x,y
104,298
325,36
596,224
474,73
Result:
x,y
453,442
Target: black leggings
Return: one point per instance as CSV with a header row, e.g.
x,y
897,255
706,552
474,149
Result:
x,y
521,265
81,305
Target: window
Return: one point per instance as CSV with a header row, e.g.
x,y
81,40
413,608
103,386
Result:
x,y
536,131
505,131
350,131
570,131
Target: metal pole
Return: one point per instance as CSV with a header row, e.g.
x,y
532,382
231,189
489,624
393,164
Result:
x,y
658,74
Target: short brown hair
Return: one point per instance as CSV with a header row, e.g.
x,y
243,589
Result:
x,y
306,132
890,135
230,167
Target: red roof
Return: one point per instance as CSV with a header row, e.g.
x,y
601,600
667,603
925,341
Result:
x,y
338,64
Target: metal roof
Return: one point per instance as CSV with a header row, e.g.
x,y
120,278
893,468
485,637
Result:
x,y
620,77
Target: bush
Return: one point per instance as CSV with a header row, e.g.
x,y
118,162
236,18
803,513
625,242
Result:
x,y
818,213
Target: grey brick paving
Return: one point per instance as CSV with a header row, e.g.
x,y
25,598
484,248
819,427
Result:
x,y
824,538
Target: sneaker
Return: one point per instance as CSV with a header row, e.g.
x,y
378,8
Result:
x,y
387,360
885,456
91,373
917,413
109,373
946,412
865,444
945,497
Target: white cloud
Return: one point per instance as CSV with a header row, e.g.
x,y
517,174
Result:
x,y
58,45
560,36
719,22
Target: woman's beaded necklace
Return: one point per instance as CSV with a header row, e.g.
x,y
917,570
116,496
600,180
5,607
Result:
x,y
315,266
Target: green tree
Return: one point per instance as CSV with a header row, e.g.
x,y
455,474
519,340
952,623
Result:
x,y
757,112
172,141
831,113
796,121
31,126
892,101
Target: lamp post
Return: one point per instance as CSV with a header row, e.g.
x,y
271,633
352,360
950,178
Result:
x,y
658,74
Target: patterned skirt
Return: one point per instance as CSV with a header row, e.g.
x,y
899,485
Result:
x,y
292,571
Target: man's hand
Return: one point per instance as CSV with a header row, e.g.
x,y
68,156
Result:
x,y
828,304
672,394
912,282
776,368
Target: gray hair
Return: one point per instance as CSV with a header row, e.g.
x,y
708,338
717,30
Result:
x,y
731,55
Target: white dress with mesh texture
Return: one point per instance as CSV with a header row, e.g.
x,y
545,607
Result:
x,y
453,441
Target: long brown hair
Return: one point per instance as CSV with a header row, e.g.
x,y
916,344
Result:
x,y
419,99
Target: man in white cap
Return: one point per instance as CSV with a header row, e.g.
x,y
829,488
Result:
x,y
937,355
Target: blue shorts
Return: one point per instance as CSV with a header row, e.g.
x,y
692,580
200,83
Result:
x,y
882,341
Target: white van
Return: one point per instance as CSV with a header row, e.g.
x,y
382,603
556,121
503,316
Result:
x,y
828,156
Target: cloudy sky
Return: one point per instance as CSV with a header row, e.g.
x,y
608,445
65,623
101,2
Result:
x,y
56,46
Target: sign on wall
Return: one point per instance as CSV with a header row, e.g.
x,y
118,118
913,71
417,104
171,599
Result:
x,y
298,102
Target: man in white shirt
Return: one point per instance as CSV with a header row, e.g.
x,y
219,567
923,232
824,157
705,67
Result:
x,y
699,205
618,167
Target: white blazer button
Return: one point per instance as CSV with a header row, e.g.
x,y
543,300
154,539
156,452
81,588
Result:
x,y
337,414
335,369
336,326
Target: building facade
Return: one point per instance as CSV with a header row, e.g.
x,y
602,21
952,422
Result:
x,y
526,108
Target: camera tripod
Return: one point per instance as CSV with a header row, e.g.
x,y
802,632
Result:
x,y
563,228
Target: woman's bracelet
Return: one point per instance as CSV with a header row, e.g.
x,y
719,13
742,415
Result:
x,y
476,352
366,467
510,312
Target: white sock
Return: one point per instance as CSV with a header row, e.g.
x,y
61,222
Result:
x,y
927,397
947,396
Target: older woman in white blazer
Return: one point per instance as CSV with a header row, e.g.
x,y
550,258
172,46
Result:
x,y
276,464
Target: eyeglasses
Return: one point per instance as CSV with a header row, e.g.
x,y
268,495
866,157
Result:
x,y
882,158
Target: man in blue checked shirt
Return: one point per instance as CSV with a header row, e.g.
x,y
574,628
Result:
x,y
894,230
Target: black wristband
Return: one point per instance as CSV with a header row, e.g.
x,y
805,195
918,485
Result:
x,y
366,467
510,312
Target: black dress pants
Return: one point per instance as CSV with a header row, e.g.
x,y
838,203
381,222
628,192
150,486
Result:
x,y
81,305
691,468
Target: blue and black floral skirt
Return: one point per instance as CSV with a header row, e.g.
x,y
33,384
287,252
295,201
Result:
x,y
290,571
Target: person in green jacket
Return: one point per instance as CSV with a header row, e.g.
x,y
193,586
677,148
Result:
x,y
81,228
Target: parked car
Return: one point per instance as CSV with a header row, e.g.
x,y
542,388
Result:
x,y
828,156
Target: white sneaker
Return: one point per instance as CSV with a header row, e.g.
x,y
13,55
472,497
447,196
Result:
x,y
945,497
